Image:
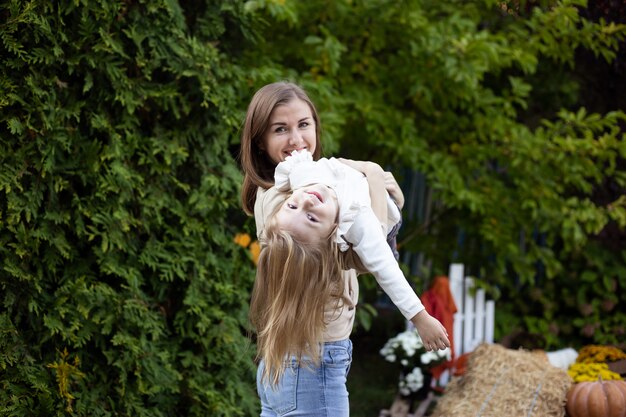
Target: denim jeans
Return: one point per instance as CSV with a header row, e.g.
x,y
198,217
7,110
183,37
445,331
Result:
x,y
392,239
306,391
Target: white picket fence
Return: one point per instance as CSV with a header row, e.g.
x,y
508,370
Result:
x,y
474,319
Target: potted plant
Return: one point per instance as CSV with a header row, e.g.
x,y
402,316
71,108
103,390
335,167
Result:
x,y
407,350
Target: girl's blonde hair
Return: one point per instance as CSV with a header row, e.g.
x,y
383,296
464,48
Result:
x,y
257,167
295,284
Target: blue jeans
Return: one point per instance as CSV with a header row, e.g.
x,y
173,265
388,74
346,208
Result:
x,y
310,392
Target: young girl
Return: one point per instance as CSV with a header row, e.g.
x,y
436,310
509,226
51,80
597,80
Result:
x,y
280,119
329,209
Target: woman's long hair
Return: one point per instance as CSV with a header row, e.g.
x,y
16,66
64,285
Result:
x,y
257,167
295,283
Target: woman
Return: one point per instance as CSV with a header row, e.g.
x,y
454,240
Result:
x,y
281,119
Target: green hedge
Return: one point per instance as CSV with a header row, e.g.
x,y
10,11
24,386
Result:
x,y
122,291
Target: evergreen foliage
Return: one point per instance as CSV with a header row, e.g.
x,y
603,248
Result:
x,y
123,292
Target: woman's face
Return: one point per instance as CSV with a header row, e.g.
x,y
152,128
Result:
x,y
291,127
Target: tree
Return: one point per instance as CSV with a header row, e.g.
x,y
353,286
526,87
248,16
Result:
x,y
484,99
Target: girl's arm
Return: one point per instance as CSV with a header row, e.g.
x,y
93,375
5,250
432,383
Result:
x,y
378,259
371,246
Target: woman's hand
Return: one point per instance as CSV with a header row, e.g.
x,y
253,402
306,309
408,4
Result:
x,y
368,168
392,187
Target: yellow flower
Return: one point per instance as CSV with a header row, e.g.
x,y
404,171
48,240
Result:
x,y
581,372
598,353
255,250
242,239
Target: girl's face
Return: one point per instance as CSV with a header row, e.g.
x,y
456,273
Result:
x,y
291,127
310,213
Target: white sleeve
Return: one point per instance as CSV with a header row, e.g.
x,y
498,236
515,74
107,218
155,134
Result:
x,y
369,242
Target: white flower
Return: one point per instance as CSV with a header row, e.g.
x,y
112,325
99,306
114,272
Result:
x,y
408,350
428,357
413,381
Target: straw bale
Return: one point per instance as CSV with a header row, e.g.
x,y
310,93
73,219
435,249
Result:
x,y
505,382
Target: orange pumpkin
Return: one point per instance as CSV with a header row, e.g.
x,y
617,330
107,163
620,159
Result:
x,y
597,399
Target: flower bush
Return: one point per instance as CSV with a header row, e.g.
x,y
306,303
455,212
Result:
x,y
407,350
581,372
592,363
599,353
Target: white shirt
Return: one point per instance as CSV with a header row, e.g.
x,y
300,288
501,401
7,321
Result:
x,y
358,226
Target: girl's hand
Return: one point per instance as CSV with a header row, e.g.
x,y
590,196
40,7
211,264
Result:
x,y
431,331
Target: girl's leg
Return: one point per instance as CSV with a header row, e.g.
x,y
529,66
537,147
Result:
x,y
392,236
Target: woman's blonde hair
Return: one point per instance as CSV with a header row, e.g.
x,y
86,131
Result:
x,y
257,167
295,284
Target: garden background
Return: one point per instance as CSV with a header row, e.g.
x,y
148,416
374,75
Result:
x,y
122,289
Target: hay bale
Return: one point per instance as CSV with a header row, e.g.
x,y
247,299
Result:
x,y
505,382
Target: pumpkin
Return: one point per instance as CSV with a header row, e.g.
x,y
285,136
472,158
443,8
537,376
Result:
x,y
597,399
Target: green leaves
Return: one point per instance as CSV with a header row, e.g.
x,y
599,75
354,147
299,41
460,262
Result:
x,y
117,193
484,99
